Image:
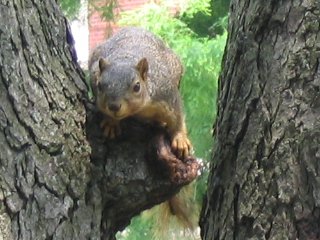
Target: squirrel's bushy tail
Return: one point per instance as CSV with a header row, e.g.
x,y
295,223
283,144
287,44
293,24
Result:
x,y
179,215
179,208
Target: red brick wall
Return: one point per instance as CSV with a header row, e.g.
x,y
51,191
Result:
x,y
99,29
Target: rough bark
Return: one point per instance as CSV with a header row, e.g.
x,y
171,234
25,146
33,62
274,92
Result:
x,y
264,183
59,177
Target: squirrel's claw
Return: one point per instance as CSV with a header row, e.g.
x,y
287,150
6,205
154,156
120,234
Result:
x,y
111,128
181,145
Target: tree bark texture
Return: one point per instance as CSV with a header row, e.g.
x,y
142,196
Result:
x,y
59,177
264,182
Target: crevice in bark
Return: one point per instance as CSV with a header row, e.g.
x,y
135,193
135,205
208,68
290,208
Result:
x,y
275,146
268,233
236,210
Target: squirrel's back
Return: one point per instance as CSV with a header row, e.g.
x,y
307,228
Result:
x,y
130,45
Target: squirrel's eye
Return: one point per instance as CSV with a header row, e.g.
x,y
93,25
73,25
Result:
x,y
136,87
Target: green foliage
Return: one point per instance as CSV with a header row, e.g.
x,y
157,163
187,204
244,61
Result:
x,y
140,228
195,7
202,59
70,7
208,24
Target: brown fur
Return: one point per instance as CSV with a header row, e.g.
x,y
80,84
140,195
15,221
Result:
x,y
134,74
135,56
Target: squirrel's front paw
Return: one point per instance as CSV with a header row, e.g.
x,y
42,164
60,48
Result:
x,y
111,128
181,145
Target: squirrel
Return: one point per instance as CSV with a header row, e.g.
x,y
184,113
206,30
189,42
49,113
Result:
x,y
134,74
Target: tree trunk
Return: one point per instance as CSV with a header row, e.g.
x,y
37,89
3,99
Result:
x,y
59,177
264,183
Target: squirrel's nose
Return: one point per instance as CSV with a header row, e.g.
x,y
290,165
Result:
x,y
114,107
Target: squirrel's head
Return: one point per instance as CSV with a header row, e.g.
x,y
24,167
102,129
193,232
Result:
x,y
121,89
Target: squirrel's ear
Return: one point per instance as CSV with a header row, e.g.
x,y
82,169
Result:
x,y
142,67
103,64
